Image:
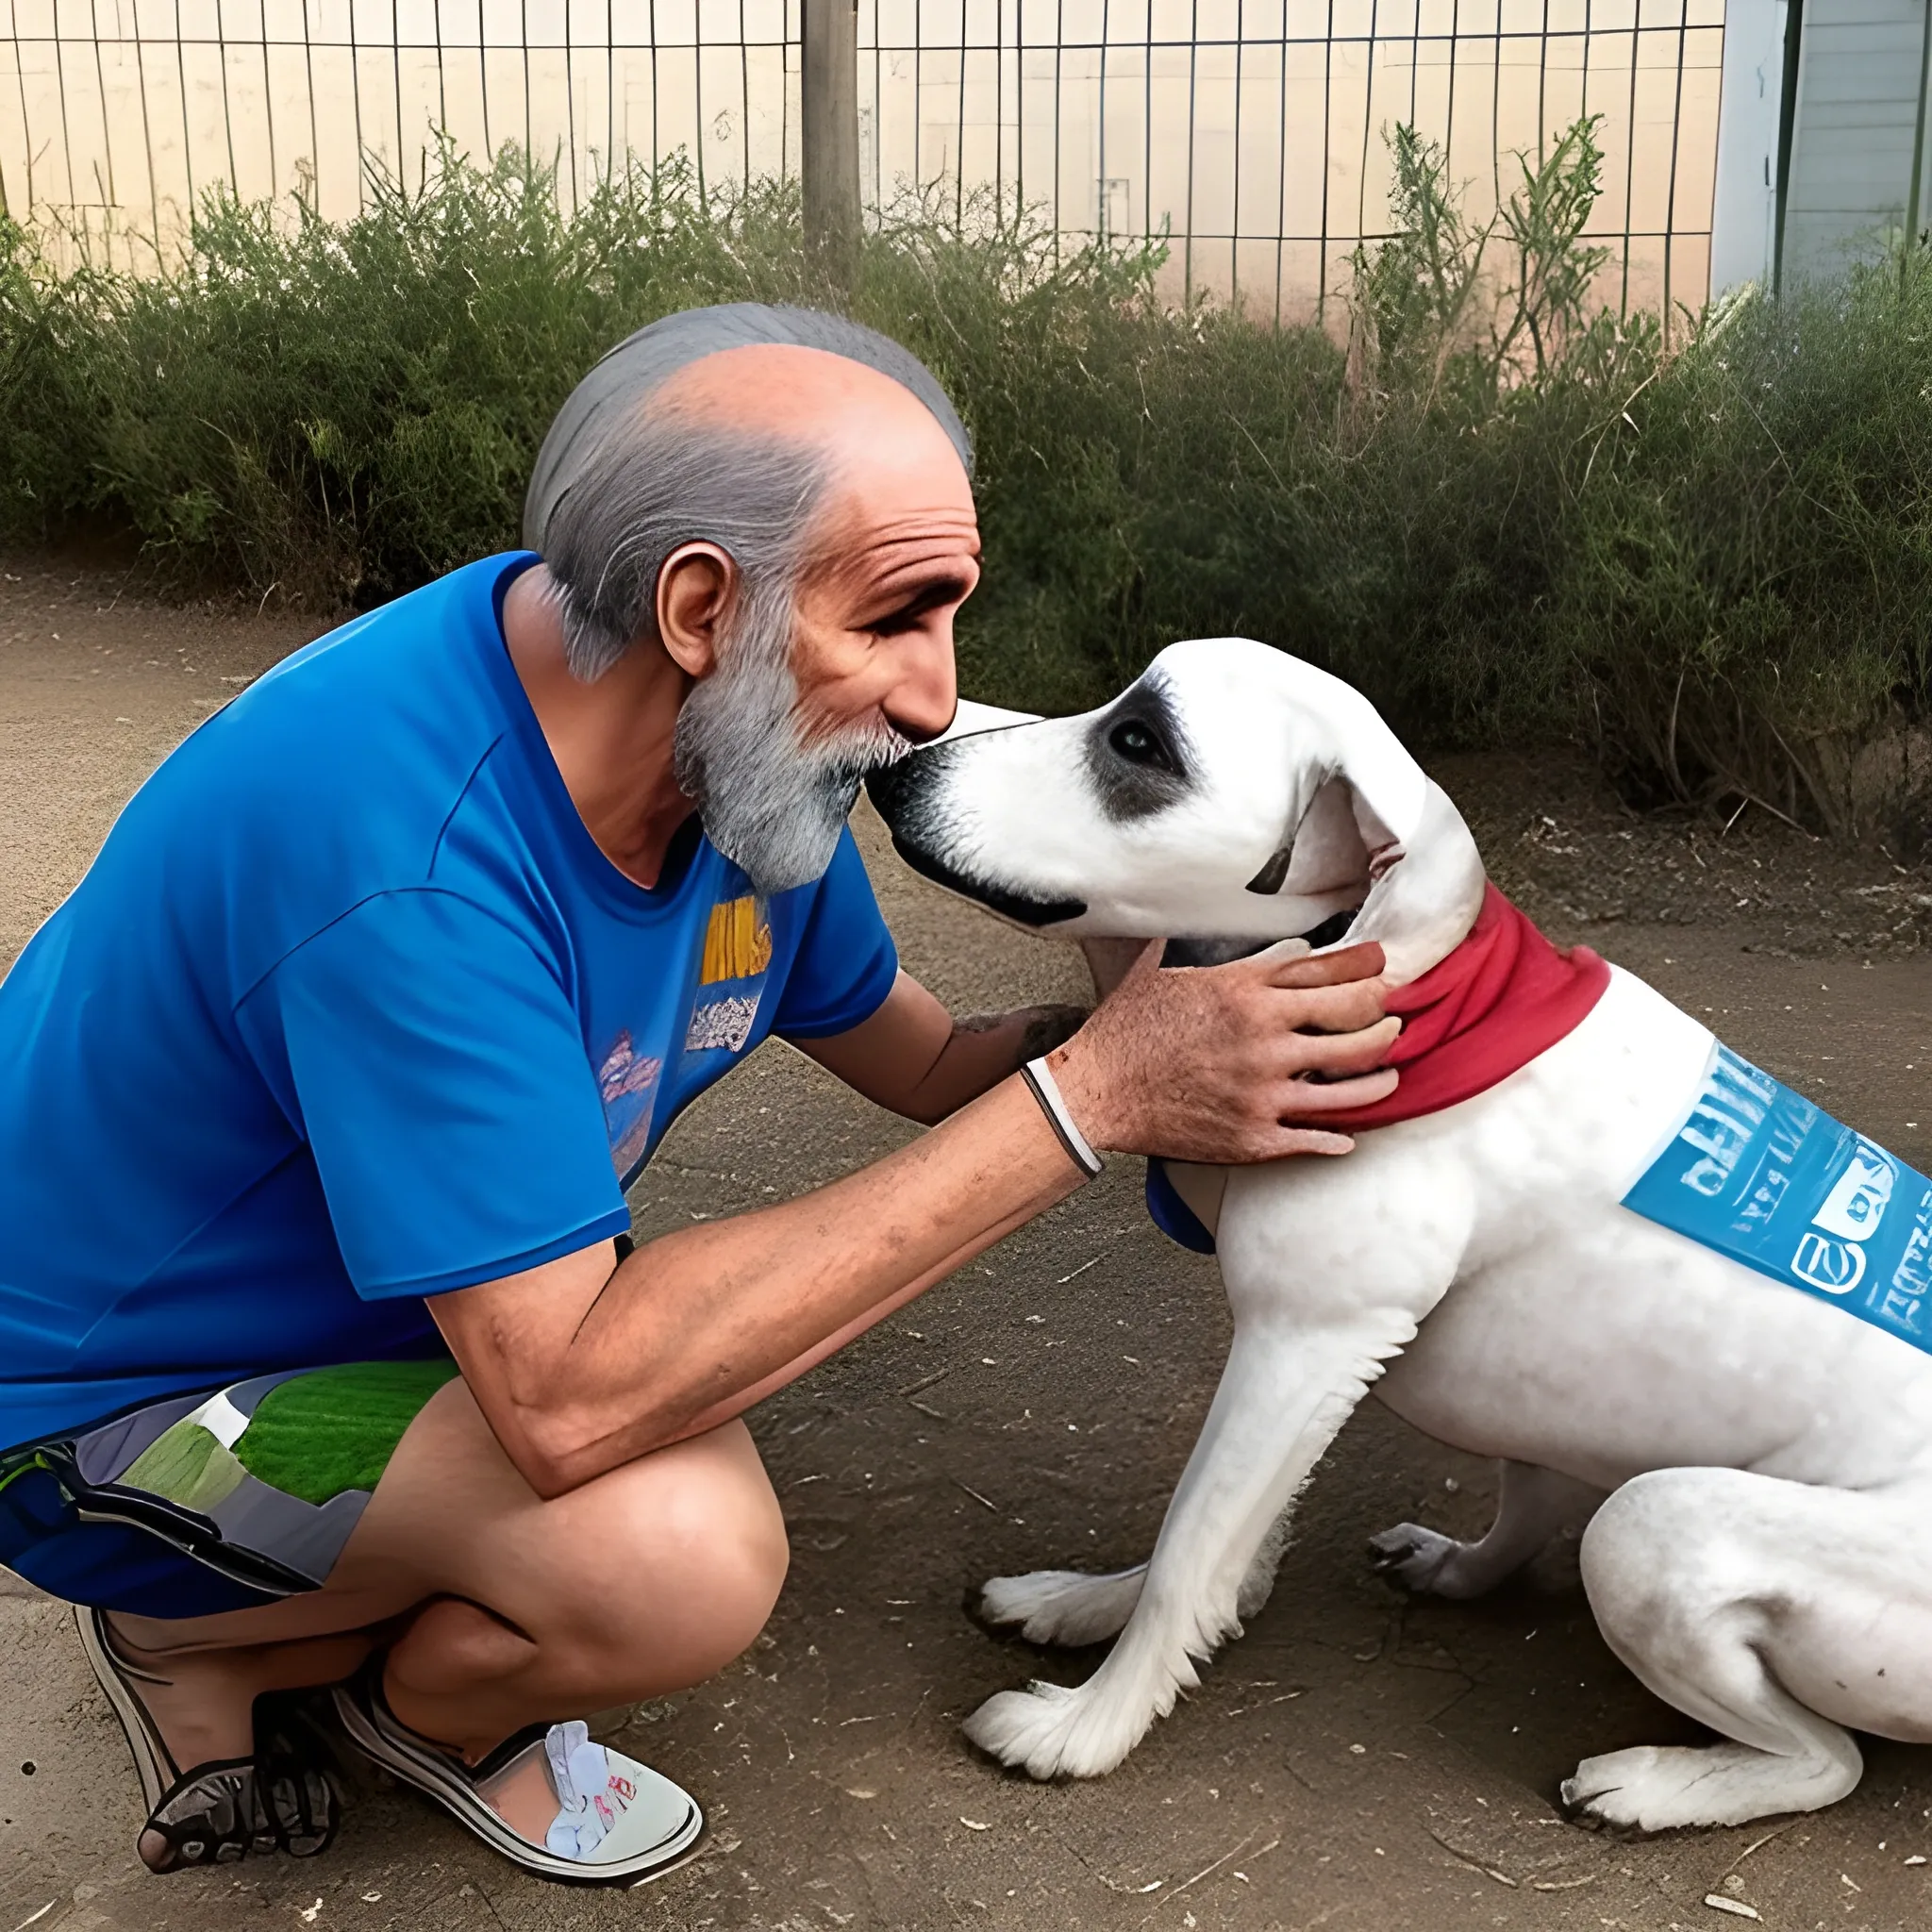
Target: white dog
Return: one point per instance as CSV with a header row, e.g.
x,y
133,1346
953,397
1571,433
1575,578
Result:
x,y
1759,1460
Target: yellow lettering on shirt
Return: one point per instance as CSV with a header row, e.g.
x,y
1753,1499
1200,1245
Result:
x,y
738,943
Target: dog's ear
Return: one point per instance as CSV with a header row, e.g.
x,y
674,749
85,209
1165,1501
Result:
x,y
1322,846
1358,788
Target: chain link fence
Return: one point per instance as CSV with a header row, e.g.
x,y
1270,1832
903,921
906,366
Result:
x,y
1249,132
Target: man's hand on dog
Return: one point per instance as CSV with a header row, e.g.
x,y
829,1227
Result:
x,y
1220,1063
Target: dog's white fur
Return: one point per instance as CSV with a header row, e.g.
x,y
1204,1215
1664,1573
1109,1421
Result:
x,y
1759,1464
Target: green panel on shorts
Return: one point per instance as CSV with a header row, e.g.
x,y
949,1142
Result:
x,y
335,1429
185,1464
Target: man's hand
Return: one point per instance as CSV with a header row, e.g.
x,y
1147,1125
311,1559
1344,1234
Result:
x,y
1214,1063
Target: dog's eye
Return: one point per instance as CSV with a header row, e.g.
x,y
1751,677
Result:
x,y
1135,742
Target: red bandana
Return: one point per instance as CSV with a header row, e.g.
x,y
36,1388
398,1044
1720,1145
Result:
x,y
1503,997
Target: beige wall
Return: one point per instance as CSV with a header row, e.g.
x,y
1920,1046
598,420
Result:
x,y
114,113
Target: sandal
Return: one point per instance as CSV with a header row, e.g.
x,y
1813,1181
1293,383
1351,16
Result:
x,y
217,1812
616,1821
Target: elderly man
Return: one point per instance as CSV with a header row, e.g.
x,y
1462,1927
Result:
x,y
323,1347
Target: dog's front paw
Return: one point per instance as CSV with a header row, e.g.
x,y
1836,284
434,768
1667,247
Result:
x,y
1063,1607
1415,1558
1049,1731
1023,1729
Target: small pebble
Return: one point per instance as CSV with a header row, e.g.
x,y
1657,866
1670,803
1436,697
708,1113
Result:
x,y
1736,1907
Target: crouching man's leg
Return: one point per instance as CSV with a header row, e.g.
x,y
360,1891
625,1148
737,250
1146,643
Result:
x,y
470,1611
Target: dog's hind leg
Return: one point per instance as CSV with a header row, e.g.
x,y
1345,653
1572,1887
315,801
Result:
x,y
1782,1615
1536,1505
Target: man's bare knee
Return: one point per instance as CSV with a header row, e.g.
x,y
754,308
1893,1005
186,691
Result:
x,y
731,1549
740,1585
674,1561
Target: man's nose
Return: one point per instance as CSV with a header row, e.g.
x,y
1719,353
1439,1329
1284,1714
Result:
x,y
922,703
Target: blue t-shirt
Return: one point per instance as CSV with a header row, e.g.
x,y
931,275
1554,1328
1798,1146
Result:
x,y
350,1010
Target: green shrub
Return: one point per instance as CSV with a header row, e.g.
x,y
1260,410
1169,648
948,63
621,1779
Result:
x,y
349,409
1502,511
1747,598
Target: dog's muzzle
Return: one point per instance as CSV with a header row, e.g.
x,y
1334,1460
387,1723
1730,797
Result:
x,y
906,797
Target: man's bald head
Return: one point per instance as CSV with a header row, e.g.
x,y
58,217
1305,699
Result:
x,y
646,360
852,414
791,389
723,426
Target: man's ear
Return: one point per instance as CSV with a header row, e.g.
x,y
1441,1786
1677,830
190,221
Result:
x,y
696,590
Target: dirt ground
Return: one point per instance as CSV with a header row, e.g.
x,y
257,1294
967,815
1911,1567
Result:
x,y
1355,1762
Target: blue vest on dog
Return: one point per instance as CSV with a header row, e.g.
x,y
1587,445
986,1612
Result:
x,y
1762,1174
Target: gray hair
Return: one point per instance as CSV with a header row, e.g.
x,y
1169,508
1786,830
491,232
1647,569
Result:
x,y
617,486
667,483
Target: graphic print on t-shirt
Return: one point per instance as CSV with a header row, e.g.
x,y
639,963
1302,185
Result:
x,y
737,947
627,1085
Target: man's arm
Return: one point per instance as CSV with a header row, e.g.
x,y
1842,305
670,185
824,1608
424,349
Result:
x,y
912,1056
580,1367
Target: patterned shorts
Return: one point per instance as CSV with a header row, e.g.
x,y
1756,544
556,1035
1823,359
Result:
x,y
209,1503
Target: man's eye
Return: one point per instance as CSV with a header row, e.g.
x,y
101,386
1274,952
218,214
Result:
x,y
911,615
1139,746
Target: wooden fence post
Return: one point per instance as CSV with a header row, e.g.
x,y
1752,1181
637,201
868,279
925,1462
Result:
x,y
829,85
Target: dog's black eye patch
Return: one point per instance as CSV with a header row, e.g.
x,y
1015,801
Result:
x,y
1138,755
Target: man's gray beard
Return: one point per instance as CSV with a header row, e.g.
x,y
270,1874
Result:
x,y
771,803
